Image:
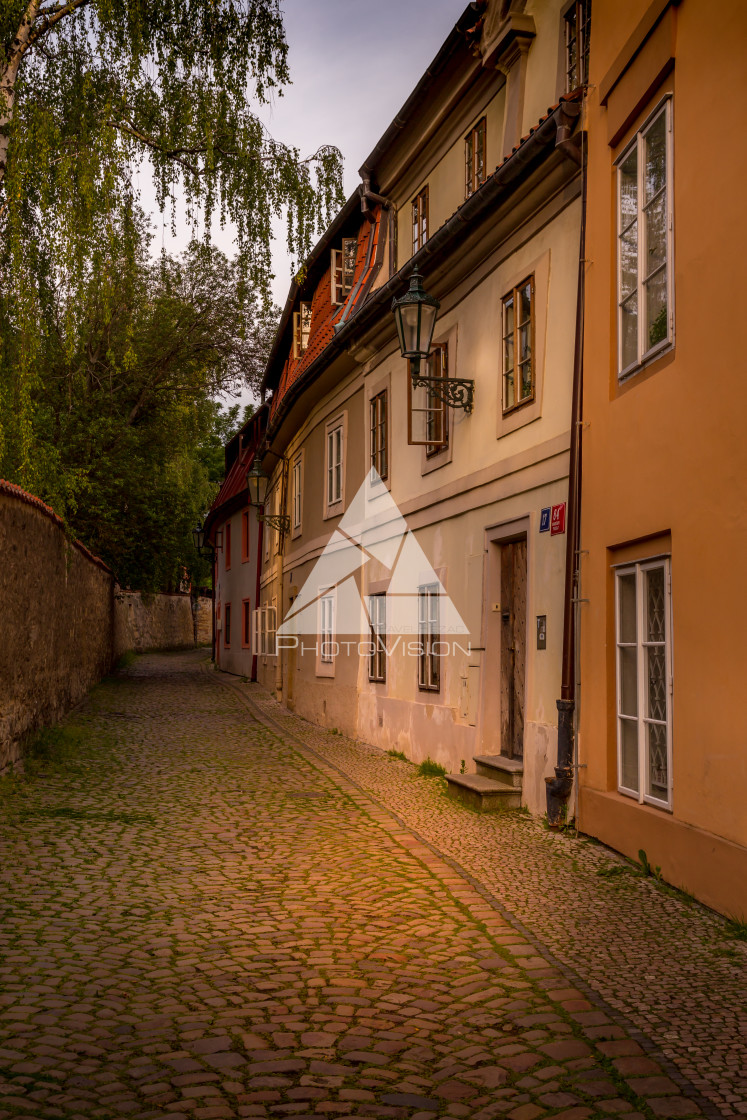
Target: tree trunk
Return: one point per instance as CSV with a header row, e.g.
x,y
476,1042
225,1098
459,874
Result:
x,y
8,76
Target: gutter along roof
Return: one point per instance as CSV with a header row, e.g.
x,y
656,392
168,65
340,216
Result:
x,y
537,146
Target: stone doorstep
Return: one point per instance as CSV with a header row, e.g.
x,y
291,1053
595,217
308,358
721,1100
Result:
x,y
508,771
482,793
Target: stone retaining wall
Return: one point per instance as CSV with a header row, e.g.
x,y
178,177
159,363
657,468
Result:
x,y
56,616
64,621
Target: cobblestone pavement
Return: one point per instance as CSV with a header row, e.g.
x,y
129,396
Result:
x,y
206,917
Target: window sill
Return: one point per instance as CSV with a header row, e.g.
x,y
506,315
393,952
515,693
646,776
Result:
x,y
656,360
647,803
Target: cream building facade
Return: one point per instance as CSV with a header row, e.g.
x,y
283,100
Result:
x,y
477,184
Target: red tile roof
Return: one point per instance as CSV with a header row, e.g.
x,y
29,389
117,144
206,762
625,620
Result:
x,y
14,491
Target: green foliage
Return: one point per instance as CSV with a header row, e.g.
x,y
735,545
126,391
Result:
x,y
88,90
400,755
736,929
646,868
122,436
430,769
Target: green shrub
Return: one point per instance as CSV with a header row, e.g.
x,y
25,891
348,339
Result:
x,y
431,769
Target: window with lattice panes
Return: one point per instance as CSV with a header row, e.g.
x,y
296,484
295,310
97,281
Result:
x,y
335,446
327,648
301,329
378,435
577,40
429,635
377,653
342,269
420,220
645,243
297,489
644,680
427,412
474,158
518,345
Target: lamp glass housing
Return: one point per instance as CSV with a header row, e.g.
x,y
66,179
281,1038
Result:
x,y
198,534
257,481
415,316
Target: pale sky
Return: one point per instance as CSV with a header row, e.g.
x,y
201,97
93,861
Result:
x,y
353,64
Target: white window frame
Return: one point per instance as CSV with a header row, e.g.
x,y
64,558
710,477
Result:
x,y
639,570
327,632
342,270
301,328
429,632
335,440
378,435
297,494
645,354
377,621
264,629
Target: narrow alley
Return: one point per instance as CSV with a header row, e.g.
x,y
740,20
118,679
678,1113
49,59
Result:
x,y
213,909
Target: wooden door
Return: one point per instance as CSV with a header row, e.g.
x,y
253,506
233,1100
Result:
x,y
513,646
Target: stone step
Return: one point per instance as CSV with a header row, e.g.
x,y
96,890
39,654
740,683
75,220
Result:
x,y
482,793
508,771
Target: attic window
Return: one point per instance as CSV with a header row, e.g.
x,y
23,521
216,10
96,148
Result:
x,y
577,36
301,329
343,269
420,220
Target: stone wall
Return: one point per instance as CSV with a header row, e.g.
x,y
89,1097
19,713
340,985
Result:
x,y
64,622
204,621
143,622
55,619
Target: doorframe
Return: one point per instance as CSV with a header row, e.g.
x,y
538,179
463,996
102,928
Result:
x,y
505,532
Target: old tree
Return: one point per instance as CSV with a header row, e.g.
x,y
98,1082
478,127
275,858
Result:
x,y
109,358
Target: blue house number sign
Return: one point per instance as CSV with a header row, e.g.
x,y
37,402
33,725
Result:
x,y
545,520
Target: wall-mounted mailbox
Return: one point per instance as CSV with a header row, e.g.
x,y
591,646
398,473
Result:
x,y
541,631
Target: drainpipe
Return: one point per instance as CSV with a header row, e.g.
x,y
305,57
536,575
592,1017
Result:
x,y
368,196
559,788
215,582
258,586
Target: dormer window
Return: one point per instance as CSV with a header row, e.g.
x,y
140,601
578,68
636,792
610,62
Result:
x,y
301,329
342,269
420,220
474,155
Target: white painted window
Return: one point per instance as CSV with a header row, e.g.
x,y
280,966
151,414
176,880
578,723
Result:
x,y
334,463
301,329
645,243
327,628
644,681
342,269
377,656
429,627
297,484
264,627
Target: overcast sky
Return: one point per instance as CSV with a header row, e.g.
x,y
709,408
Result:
x,y
352,64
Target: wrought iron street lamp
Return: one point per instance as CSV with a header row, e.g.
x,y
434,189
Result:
x,y
198,534
415,316
257,482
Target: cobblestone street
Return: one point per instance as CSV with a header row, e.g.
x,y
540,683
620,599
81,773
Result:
x,y
217,910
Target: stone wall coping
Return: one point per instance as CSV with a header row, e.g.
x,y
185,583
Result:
x,y
13,491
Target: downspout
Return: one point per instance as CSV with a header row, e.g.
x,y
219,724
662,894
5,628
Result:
x,y
367,196
280,570
258,588
215,582
559,788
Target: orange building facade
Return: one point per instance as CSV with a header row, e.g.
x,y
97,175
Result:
x,y
661,744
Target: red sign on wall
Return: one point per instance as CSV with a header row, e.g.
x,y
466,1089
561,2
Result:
x,y
557,519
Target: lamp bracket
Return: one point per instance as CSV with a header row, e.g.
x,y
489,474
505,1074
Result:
x,y
279,521
456,392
